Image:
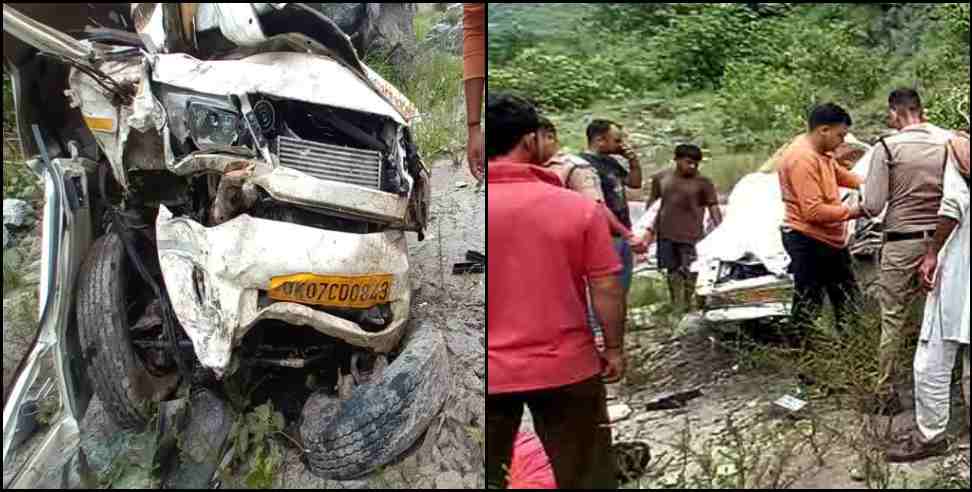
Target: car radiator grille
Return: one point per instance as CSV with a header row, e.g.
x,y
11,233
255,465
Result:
x,y
331,162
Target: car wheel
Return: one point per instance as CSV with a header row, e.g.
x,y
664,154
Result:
x,y
382,420
118,375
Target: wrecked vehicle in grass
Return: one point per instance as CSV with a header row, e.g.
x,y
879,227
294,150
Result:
x,y
228,187
743,267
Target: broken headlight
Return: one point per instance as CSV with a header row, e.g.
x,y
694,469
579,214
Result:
x,y
213,128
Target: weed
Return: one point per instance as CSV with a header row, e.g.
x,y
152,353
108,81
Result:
x,y
257,455
434,86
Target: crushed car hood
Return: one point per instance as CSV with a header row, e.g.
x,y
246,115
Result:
x,y
322,80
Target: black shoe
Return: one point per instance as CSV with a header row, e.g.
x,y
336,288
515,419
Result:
x,y
913,450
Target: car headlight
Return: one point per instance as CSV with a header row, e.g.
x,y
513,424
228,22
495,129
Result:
x,y
213,127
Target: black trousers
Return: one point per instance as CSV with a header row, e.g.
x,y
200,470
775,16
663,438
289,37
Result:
x,y
571,422
819,269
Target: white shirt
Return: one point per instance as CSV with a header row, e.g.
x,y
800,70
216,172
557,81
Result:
x,y
947,309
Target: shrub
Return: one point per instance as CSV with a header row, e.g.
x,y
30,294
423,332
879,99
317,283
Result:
x,y
557,82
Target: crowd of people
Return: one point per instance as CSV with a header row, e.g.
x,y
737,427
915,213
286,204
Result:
x,y
563,251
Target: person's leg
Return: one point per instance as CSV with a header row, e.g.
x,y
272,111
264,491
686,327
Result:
x,y
807,279
842,288
503,417
965,383
675,289
934,362
668,261
899,289
572,423
688,257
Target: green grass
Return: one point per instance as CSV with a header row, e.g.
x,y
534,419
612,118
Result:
x,y
434,85
12,278
436,89
423,23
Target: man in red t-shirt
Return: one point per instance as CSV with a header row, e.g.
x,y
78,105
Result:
x,y
547,245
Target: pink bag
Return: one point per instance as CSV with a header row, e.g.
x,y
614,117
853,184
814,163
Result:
x,y
530,468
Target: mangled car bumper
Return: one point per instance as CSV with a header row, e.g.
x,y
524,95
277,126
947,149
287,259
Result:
x,y
727,300
217,276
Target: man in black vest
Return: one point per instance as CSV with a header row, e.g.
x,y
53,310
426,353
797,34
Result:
x,y
605,139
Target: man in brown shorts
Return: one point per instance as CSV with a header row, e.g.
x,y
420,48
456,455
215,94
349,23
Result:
x,y
685,195
906,176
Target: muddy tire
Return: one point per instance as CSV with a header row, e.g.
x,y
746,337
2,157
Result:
x,y
117,374
382,420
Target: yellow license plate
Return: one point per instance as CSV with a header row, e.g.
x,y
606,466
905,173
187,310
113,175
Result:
x,y
359,292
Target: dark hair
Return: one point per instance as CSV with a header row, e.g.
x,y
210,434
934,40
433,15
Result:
x,y
907,99
688,151
829,114
509,118
547,125
598,128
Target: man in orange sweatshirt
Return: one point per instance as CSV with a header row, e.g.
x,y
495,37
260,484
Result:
x,y
474,76
815,231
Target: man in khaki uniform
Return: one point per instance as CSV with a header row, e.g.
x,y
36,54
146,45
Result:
x,y
906,176
576,174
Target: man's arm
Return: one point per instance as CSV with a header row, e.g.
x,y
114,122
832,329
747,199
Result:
x,y
955,204
474,75
712,201
635,179
806,184
654,192
607,294
877,187
615,225
715,213
847,179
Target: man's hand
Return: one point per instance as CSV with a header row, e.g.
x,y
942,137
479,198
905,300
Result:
x,y
474,152
612,366
626,151
928,271
638,246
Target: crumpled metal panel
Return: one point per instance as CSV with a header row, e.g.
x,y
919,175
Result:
x,y
214,276
313,79
95,102
292,186
744,313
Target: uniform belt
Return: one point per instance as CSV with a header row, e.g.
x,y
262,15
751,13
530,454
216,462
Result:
x,y
893,237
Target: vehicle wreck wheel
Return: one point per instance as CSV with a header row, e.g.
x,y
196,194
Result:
x,y
118,375
382,420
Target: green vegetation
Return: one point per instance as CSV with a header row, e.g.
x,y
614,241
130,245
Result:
x,y
18,181
736,78
434,85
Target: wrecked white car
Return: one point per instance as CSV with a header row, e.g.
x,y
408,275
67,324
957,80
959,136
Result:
x,y
228,187
742,265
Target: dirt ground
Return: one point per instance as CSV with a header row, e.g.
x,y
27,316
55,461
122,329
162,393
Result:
x,y
697,358
452,453
663,362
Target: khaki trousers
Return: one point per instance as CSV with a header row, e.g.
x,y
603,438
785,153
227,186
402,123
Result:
x,y
900,292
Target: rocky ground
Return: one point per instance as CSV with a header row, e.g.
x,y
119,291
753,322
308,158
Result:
x,y
451,454
682,388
